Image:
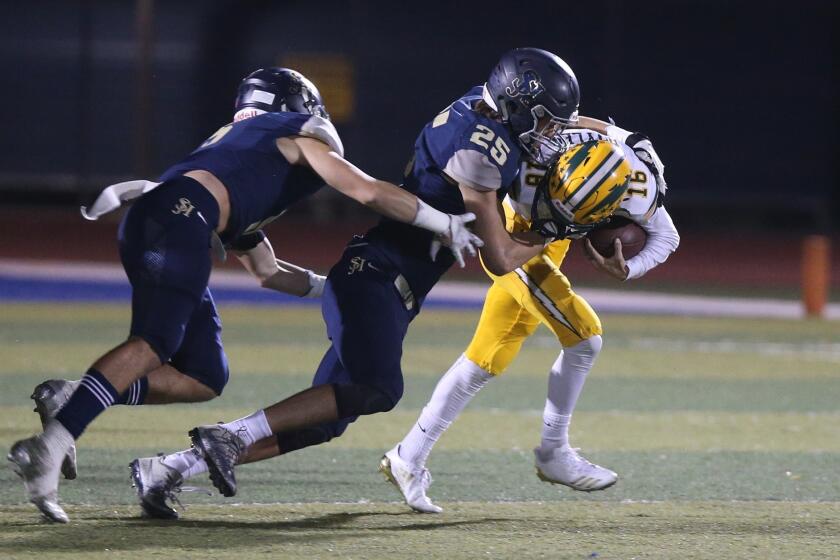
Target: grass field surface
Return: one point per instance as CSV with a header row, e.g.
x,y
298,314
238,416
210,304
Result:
x,y
725,434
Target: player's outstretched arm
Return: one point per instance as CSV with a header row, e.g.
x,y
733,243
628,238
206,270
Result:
x,y
381,196
503,252
278,275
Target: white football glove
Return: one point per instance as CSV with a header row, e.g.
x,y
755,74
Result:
x,y
457,238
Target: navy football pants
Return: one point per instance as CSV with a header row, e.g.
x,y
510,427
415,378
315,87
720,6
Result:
x,y
366,322
164,242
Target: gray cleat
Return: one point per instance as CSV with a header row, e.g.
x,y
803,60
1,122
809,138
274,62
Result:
x,y
157,485
222,450
49,397
33,461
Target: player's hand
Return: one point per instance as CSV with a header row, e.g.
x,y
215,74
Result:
x,y
644,151
458,238
614,266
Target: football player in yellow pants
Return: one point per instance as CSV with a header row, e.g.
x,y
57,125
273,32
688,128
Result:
x,y
515,305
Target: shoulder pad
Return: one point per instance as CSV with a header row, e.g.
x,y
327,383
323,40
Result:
x,y
641,200
322,129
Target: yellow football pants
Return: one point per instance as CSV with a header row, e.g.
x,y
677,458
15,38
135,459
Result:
x,y
519,301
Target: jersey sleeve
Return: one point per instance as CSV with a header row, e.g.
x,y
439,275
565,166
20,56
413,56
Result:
x,y
482,155
474,169
322,129
662,240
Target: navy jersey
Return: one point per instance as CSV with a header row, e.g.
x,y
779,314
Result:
x,y
459,145
261,184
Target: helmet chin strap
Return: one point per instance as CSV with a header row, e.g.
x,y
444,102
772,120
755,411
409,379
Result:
x,y
246,113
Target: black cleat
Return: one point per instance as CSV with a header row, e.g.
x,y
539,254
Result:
x,y
222,450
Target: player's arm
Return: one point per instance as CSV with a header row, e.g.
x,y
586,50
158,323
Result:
x,y
593,124
502,251
662,240
278,275
381,196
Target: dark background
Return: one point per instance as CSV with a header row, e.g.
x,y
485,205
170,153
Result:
x,y
737,96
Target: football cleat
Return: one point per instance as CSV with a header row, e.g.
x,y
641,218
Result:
x,y
34,462
49,397
411,481
563,465
157,486
222,450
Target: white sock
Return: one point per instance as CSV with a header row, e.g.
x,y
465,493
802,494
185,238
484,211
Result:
x,y
565,382
452,393
187,462
57,438
555,430
251,428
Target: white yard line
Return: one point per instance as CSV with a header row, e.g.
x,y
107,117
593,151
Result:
x,y
606,301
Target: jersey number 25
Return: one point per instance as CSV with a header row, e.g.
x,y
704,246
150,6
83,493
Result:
x,y
484,136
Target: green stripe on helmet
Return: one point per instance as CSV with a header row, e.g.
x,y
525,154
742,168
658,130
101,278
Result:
x,y
615,195
601,182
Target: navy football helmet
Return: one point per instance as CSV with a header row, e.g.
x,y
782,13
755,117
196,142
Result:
x,y
537,95
280,89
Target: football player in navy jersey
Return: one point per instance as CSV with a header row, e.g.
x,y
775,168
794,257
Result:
x,y
280,148
463,160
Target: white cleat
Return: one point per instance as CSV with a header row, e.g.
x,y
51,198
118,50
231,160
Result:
x,y
411,481
49,397
157,486
563,465
38,466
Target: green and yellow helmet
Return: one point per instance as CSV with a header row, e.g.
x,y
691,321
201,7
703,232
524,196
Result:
x,y
581,188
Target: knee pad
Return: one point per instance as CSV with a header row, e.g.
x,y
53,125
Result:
x,y
358,400
581,355
590,347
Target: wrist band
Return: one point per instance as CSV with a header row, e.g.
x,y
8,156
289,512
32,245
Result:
x,y
316,285
430,218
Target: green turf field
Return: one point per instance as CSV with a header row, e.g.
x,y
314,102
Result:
x,y
725,433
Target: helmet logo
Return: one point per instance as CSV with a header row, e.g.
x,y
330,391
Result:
x,y
528,84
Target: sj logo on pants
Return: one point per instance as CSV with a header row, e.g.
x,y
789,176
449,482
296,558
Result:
x,y
358,264
184,207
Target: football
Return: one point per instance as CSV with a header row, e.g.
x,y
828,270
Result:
x,y
632,236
